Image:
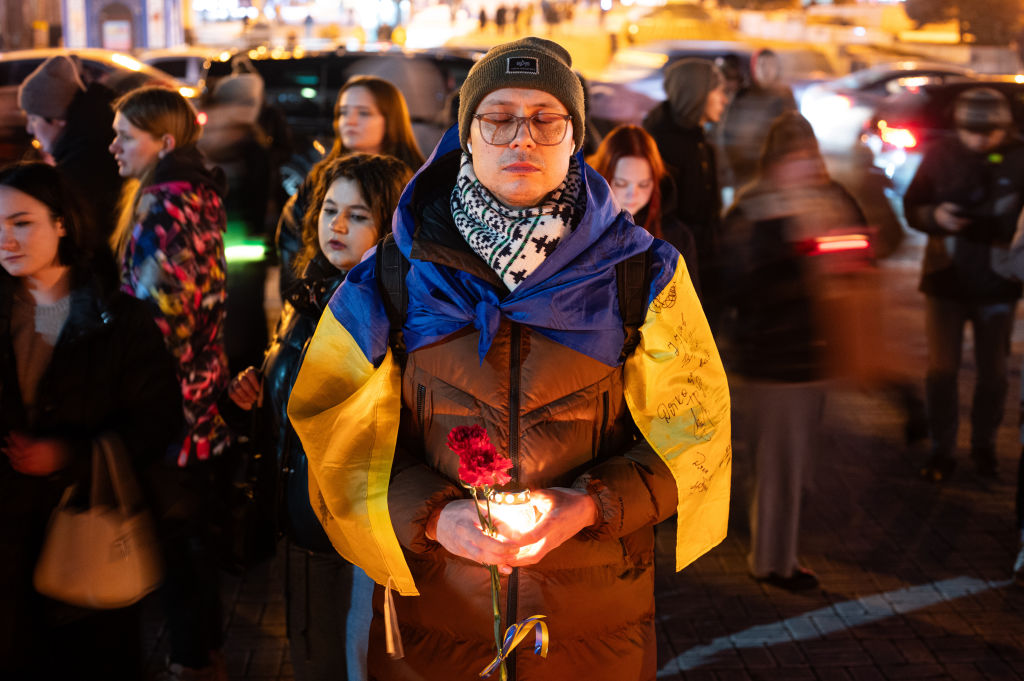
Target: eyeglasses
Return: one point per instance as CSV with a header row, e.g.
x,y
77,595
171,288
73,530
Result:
x,y
546,129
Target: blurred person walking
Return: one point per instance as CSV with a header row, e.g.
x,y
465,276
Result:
x,y
370,116
779,349
966,196
696,98
750,115
233,139
170,244
628,159
327,598
81,361
72,123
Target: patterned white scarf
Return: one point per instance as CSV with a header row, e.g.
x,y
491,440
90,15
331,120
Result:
x,y
513,241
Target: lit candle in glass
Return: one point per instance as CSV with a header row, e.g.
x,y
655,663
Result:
x,y
513,509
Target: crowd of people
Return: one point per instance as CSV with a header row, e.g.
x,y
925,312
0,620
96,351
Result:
x,y
575,307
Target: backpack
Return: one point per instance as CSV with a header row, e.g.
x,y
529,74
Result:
x,y
390,266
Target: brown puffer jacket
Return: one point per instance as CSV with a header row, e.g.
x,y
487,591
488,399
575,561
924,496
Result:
x,y
560,416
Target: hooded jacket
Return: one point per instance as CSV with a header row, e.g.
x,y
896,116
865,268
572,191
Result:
x,y
174,261
690,161
539,368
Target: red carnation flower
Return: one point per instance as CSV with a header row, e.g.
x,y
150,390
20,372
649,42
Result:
x,y
480,464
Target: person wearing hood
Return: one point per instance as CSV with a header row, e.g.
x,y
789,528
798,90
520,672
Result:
x,y
233,139
696,98
523,276
72,124
170,243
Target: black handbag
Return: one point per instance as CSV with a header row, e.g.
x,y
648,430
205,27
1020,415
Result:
x,y
249,519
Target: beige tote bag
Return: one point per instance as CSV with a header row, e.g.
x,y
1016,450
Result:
x,y
105,556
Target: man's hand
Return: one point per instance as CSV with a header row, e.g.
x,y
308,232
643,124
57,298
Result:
x,y
245,388
33,456
459,531
947,216
563,512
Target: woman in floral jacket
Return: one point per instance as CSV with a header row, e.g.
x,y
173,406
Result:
x,y
171,248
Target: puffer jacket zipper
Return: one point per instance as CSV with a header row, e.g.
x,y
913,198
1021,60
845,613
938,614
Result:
x,y
515,375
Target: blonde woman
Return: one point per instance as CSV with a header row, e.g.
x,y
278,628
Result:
x,y
171,249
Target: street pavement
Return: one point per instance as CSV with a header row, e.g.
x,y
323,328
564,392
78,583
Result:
x,y
915,577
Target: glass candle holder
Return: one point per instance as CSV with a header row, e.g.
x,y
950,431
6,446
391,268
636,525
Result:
x,y
513,509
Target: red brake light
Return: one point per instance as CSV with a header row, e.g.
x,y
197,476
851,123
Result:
x,y
201,118
836,244
897,137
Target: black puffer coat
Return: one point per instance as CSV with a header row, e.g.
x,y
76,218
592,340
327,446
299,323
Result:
x,y
305,301
82,155
110,372
990,190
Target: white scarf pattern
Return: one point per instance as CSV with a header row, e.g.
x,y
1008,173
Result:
x,y
513,241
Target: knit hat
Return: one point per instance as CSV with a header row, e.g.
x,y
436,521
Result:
x,y
48,90
982,109
687,84
533,63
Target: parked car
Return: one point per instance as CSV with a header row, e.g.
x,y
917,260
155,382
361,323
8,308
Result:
x,y
120,72
905,125
633,83
304,87
677,20
190,65
839,109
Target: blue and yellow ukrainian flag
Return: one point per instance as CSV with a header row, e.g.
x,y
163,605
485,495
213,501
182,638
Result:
x,y
346,400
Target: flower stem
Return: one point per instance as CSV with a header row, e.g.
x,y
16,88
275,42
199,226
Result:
x,y
488,526
495,591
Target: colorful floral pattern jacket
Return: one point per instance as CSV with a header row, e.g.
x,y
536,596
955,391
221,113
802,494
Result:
x,y
175,261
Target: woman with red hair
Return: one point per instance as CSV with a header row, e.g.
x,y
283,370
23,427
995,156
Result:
x,y
628,159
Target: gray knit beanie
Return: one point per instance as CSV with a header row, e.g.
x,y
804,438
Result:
x,y
532,63
48,90
687,84
982,109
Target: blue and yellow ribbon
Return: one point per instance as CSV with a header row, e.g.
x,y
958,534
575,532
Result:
x,y
514,635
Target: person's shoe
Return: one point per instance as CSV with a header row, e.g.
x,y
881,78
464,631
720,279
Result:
x,y
801,580
177,672
985,461
938,467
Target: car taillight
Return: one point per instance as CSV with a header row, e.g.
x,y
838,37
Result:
x,y
897,137
201,118
837,244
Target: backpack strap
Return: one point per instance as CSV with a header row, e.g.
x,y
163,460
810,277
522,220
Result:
x,y
633,277
390,267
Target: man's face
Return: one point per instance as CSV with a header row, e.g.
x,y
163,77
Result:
x,y
521,173
46,131
981,141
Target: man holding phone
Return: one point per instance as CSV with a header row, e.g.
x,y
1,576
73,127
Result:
x,y
966,196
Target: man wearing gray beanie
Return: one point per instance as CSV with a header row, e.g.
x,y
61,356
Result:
x,y
966,196
528,294
696,99
73,123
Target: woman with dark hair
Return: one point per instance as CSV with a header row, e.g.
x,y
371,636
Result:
x,y
78,361
327,599
629,160
370,116
780,349
171,249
